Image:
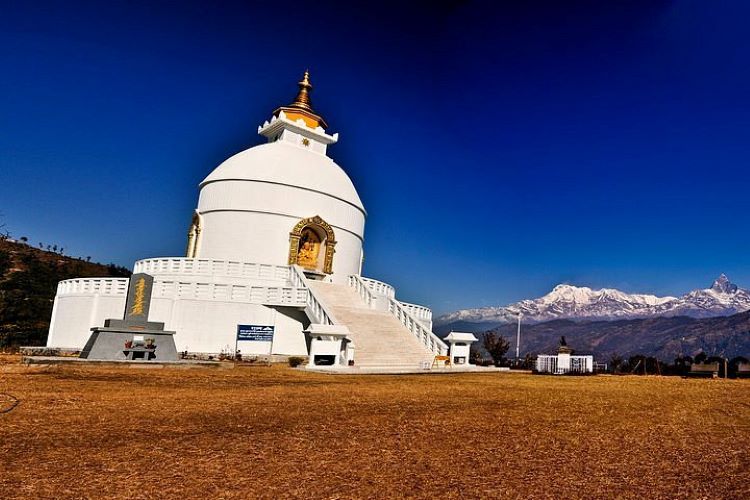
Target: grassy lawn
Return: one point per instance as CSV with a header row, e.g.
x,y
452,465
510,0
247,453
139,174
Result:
x,y
274,432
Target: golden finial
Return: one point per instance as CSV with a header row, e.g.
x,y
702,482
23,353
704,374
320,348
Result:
x,y
301,107
302,101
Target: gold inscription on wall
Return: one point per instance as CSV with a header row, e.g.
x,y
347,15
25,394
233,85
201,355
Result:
x,y
140,292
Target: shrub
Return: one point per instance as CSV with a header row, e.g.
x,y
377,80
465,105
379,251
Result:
x,y
295,361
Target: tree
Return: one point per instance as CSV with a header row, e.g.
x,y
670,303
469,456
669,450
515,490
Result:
x,y
4,234
682,365
644,365
496,345
24,239
734,365
616,362
701,357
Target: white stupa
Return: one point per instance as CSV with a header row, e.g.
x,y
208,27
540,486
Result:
x,y
276,241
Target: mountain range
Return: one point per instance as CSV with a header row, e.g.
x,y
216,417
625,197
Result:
x,y
723,298
664,338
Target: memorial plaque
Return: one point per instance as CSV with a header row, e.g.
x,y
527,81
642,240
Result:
x,y
139,298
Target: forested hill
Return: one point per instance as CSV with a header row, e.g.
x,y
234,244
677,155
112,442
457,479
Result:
x,y
28,281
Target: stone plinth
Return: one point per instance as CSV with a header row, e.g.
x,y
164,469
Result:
x,y
109,343
133,338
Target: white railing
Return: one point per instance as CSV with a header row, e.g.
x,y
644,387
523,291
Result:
x,y
546,363
314,307
93,286
363,289
425,336
212,267
379,287
368,290
267,295
422,313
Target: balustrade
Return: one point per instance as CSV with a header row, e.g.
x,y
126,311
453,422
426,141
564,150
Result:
x,y
363,289
267,295
379,287
315,309
93,286
422,313
212,267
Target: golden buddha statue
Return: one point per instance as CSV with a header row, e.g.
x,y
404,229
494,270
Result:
x,y
309,249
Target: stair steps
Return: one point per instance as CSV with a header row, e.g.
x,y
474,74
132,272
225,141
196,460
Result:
x,y
380,340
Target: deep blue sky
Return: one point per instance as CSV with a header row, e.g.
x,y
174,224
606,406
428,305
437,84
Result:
x,y
500,148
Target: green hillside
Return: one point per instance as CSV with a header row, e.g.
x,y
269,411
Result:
x,y
28,281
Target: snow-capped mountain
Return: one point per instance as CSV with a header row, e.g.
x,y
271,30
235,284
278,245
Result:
x,y
571,302
724,298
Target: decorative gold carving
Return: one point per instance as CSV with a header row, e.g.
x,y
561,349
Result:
x,y
194,234
300,255
140,291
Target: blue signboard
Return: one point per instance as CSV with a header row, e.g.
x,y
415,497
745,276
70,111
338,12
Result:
x,y
258,333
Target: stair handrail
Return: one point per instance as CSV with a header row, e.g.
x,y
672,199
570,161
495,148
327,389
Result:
x,y
379,287
424,335
315,306
420,312
401,313
363,290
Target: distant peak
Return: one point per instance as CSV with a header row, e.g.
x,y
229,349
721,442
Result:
x,y
723,285
565,286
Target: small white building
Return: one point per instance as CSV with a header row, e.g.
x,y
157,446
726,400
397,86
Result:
x,y
460,347
564,362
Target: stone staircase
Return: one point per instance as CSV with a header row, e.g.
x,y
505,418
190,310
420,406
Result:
x,y
380,340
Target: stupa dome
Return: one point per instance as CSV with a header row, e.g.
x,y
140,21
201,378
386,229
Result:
x,y
253,207
287,164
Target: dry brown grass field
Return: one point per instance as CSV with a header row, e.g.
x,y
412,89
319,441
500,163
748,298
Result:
x,y
273,432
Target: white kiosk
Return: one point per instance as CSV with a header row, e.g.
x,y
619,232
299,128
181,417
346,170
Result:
x,y
460,347
329,345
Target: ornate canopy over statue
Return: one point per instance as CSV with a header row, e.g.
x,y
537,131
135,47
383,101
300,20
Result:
x,y
307,240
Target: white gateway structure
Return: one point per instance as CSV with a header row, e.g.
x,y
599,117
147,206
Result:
x,y
276,241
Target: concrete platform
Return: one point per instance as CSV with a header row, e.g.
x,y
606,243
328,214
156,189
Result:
x,y
69,360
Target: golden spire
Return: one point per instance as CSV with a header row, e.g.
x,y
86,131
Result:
x,y
301,107
302,101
